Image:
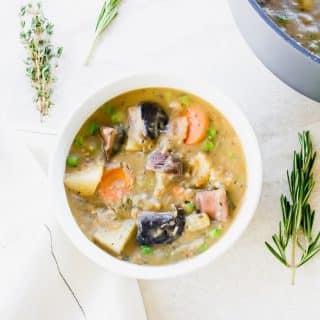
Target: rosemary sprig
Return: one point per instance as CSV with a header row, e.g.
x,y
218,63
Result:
x,y
42,56
108,13
297,216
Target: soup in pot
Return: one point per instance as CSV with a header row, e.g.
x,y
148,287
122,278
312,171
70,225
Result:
x,y
299,18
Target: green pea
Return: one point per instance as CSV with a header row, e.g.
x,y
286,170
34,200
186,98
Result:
x,y
79,141
168,96
72,161
211,134
215,233
204,247
93,128
108,109
116,117
146,250
282,19
208,146
188,207
185,100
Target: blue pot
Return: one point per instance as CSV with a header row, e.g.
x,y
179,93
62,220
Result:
x,y
287,59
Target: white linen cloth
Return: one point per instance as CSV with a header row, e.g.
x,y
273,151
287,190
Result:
x,y
31,287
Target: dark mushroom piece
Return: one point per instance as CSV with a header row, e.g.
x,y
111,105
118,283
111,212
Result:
x,y
108,136
120,138
160,227
113,139
154,117
146,122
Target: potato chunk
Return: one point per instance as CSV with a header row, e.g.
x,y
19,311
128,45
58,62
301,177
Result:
x,y
115,240
162,182
200,170
197,221
179,129
137,130
86,180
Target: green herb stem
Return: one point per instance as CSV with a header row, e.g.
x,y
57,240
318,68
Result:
x,y
296,226
108,13
90,52
293,258
42,56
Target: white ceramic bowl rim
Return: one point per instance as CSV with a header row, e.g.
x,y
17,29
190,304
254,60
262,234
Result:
x,y
220,102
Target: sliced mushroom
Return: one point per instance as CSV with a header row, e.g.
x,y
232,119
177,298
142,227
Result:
x,y
108,136
120,138
146,122
113,139
160,227
154,117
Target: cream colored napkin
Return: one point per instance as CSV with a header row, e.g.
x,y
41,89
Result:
x,y
42,275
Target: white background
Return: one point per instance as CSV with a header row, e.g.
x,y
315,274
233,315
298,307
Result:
x,y
195,39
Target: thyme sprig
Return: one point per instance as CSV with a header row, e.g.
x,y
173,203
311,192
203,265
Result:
x,y
108,13
296,227
42,56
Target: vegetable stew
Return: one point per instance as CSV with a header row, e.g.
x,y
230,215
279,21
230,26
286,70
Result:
x,y
155,176
299,18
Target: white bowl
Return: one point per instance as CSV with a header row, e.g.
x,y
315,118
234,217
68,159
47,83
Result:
x,y
220,102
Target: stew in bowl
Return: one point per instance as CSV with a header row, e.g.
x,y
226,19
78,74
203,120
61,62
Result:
x,y
157,181
155,176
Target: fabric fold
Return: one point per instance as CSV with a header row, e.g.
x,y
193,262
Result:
x,y
42,275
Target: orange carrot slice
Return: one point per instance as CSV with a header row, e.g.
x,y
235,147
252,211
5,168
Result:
x,y
115,184
198,124
176,190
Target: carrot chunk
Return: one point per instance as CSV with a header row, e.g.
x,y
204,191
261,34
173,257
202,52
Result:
x,y
176,190
198,124
115,184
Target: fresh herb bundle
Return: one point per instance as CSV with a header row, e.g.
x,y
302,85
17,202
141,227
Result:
x,y
296,226
108,13
42,56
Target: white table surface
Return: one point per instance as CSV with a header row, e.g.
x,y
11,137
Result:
x,y
195,39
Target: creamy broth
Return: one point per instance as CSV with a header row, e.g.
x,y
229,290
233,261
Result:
x,y
199,172
299,18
